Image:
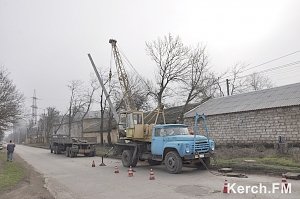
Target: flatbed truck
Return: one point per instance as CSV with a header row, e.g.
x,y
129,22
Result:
x,y
72,146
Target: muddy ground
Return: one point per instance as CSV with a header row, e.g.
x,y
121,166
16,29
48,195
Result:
x,y
30,187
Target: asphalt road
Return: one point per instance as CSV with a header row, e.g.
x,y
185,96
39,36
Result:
x,y
75,178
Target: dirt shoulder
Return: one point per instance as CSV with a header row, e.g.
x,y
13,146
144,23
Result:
x,y
30,187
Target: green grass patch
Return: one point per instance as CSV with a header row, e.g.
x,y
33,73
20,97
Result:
x,y
10,172
280,161
274,164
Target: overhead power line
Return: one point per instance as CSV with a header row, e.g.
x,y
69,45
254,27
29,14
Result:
x,y
274,68
272,60
267,62
269,69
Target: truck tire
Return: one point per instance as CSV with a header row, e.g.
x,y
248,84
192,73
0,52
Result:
x,y
92,154
153,162
67,152
127,159
55,149
173,162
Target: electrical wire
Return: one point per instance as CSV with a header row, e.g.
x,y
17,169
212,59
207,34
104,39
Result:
x,y
267,62
269,69
262,71
272,60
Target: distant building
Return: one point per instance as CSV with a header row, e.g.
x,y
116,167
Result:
x,y
91,127
254,117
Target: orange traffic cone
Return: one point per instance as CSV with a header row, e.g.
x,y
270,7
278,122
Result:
x,y
225,189
284,183
130,172
152,177
93,163
116,169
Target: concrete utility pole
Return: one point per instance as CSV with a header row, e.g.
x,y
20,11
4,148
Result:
x,y
227,84
115,114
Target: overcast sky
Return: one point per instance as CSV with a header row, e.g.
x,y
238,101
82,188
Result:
x,y
44,43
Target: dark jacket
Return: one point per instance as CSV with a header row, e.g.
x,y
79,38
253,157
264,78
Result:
x,y
10,147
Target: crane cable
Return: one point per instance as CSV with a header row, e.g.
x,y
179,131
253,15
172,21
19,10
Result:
x,y
129,63
110,74
110,66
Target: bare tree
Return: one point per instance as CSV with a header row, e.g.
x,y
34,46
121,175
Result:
x,y
199,80
257,81
239,83
60,123
89,99
103,103
11,101
76,102
236,82
139,93
51,118
170,56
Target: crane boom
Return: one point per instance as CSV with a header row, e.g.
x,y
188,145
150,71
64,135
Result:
x,y
123,78
113,109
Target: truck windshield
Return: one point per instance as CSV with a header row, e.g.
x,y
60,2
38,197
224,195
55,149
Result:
x,y
172,131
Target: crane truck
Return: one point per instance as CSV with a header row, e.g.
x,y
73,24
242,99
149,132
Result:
x,y
171,144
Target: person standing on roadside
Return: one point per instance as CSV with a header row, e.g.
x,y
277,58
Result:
x,y
10,150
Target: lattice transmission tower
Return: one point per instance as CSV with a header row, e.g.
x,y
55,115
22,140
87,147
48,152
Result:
x,y
34,108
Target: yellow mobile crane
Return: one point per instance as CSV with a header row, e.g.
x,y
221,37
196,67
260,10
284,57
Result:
x,y
156,143
131,119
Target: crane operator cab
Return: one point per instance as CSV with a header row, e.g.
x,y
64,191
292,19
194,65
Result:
x,y
132,123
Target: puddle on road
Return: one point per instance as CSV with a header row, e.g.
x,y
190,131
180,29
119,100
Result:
x,y
193,190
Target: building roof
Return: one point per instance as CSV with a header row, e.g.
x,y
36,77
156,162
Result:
x,y
282,96
171,114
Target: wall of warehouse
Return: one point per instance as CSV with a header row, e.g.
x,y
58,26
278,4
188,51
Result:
x,y
259,126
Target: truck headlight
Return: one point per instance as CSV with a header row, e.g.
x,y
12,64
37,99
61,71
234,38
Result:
x,y
212,145
187,148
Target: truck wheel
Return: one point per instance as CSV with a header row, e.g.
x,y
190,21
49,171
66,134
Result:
x,y
153,162
92,154
127,159
55,149
67,152
173,162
